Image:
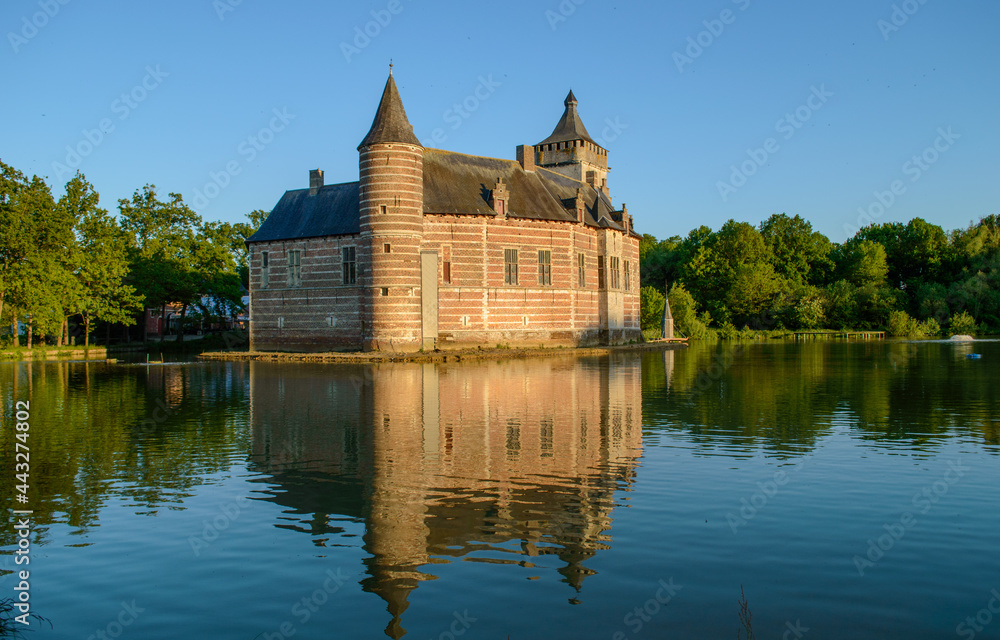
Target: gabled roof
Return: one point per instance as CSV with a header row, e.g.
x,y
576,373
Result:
x,y
333,211
570,126
390,123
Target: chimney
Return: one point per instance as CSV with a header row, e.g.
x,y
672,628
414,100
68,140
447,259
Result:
x,y
526,157
315,181
581,205
626,221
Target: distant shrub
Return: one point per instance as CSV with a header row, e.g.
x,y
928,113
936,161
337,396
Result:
x,y
651,304
963,324
902,325
687,321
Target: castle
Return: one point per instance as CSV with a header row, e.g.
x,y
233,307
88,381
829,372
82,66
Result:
x,y
433,249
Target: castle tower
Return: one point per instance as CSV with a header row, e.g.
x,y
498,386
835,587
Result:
x,y
391,209
572,152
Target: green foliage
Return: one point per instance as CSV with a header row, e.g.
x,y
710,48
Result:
x,y
69,259
784,274
800,254
687,322
862,263
902,325
963,324
651,305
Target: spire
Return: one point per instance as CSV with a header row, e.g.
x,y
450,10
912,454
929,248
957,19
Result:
x,y
390,123
570,126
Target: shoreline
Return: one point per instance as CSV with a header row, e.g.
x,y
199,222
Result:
x,y
457,355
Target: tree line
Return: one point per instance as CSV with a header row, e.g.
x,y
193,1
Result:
x,y
910,279
66,264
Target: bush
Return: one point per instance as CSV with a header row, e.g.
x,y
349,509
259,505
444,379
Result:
x,y
651,304
903,326
963,324
687,321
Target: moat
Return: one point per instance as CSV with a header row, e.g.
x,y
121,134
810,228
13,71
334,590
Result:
x,y
849,487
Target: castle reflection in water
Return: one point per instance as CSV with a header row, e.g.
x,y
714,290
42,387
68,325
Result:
x,y
497,461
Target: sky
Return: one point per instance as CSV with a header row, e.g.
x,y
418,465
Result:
x,y
844,113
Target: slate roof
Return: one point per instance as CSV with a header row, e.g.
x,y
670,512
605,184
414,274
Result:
x,y
333,211
390,123
570,126
454,183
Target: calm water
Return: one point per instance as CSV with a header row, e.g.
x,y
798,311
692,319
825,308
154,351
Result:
x,y
621,497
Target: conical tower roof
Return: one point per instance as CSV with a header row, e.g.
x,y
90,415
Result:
x,y
570,126
390,124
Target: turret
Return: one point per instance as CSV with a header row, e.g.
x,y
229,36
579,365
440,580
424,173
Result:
x,y
572,152
391,211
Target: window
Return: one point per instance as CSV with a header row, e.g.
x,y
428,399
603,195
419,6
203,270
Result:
x,y
510,266
600,273
545,268
350,265
628,276
446,272
382,208
581,267
501,207
294,268
385,291
614,272
265,272
387,248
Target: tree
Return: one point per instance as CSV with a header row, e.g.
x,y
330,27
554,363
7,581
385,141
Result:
x,y
15,239
799,253
162,250
34,250
685,311
651,305
219,252
102,261
862,262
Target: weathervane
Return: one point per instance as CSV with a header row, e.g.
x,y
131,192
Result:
x,y
390,66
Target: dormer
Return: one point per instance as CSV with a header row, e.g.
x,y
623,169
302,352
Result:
x,y
500,198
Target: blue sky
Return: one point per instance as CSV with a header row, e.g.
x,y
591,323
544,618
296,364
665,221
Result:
x,y
711,110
